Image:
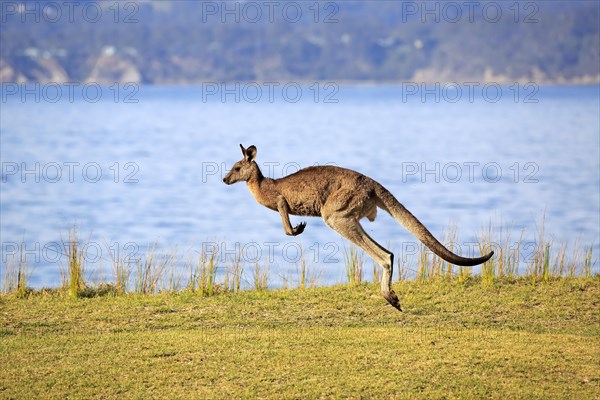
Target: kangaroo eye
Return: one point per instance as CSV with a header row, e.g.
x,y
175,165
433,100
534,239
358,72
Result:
x,y
236,169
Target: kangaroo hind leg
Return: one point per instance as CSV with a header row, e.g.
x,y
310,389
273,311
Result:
x,y
351,229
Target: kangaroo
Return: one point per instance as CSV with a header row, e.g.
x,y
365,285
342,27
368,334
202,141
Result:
x,y
342,197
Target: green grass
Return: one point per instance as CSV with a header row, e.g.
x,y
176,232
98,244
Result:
x,y
507,339
16,275
354,262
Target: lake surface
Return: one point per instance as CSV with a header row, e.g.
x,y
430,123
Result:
x,y
148,166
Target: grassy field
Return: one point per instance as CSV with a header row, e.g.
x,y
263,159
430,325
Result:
x,y
509,339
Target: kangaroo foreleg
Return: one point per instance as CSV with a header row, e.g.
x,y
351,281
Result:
x,y
284,212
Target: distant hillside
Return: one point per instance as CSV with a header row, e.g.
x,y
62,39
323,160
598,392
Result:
x,y
183,42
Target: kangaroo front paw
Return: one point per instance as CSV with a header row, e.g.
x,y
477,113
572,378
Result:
x,y
298,229
393,299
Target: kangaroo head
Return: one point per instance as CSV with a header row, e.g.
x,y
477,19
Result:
x,y
243,169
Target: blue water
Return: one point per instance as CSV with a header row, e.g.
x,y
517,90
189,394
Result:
x,y
131,173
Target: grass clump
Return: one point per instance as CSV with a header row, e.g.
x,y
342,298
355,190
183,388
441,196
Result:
x,y
150,271
16,274
302,275
233,274
121,269
73,277
260,276
307,277
203,274
354,262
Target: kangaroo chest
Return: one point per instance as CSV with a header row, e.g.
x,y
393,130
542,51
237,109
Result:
x,y
263,196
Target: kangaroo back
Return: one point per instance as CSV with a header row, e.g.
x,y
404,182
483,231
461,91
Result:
x,y
389,203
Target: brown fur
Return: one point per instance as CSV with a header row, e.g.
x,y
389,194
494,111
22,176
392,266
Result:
x,y
342,197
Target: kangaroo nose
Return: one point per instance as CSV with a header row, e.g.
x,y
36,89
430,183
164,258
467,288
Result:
x,y
224,180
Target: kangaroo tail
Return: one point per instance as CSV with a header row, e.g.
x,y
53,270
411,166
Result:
x,y
388,202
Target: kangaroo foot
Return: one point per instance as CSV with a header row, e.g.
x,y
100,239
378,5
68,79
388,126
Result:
x,y
298,229
393,299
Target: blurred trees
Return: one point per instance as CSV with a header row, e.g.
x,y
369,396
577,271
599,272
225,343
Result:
x,y
187,41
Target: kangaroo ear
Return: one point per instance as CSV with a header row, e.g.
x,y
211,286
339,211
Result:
x,y
243,150
251,153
